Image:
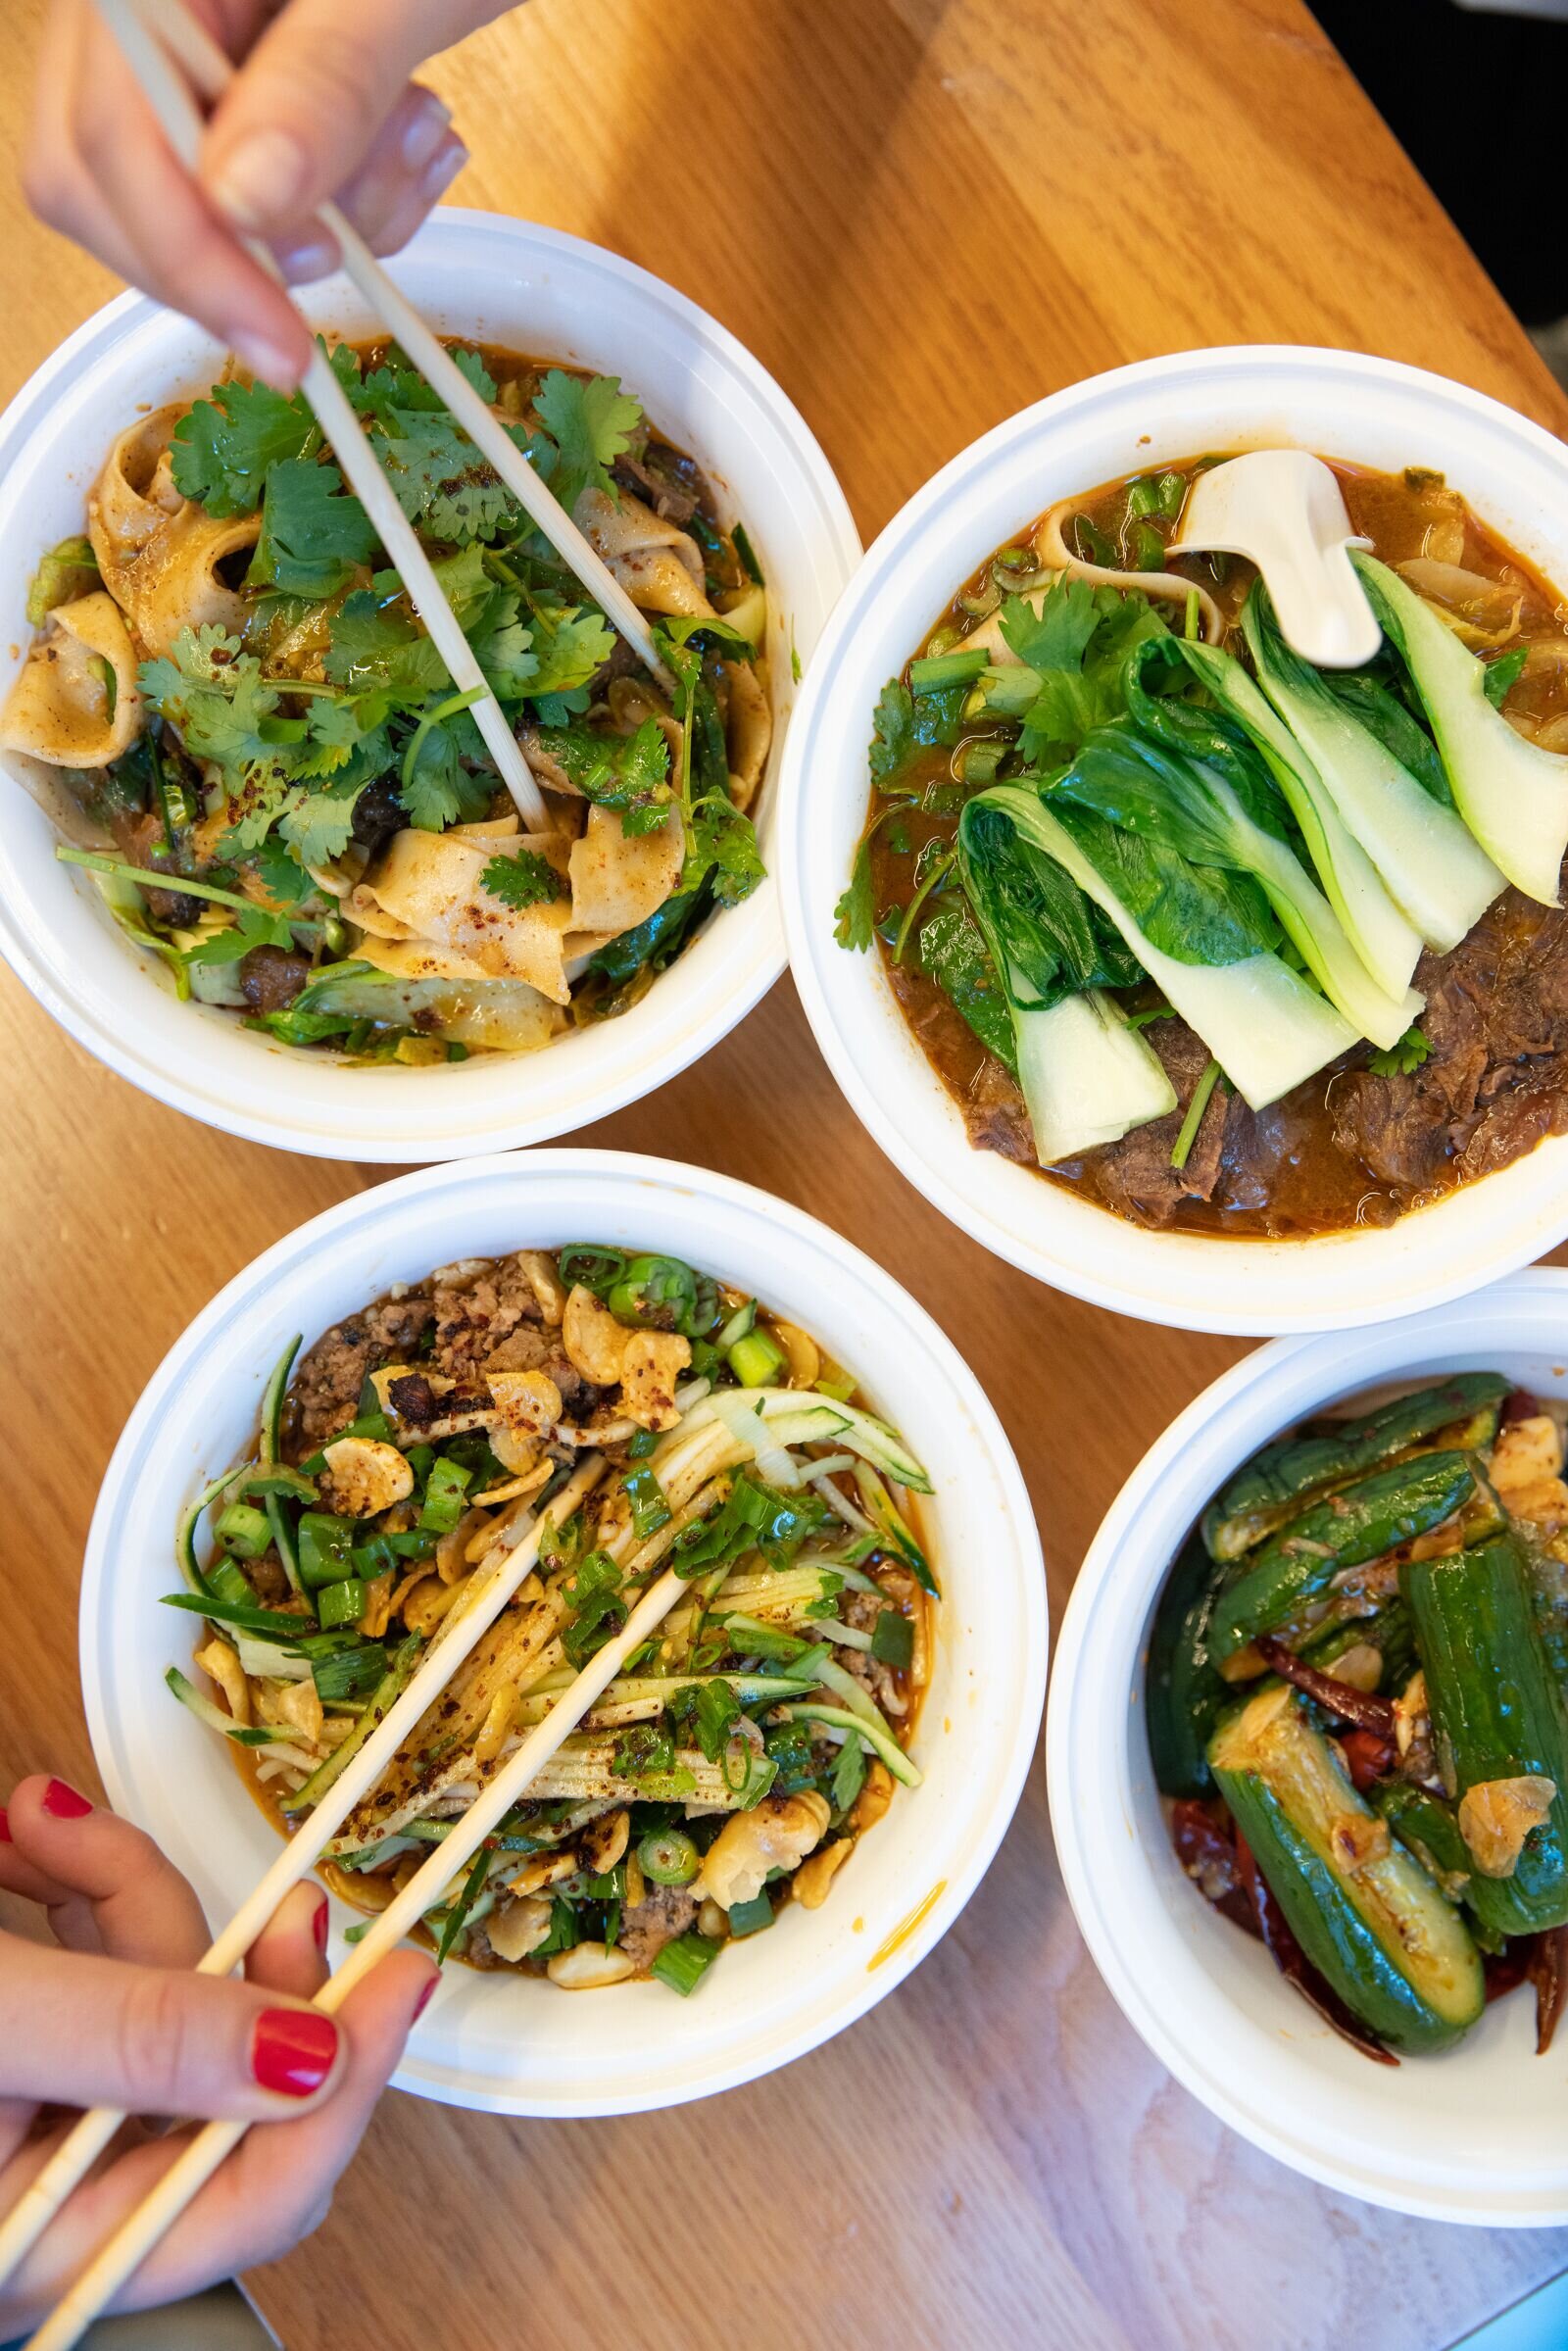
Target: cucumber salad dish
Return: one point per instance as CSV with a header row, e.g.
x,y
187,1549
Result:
x,y
238,722
1357,1707
733,1763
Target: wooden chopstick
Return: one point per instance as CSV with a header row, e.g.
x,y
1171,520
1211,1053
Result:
x,y
181,124
146,2225
211,71
75,2157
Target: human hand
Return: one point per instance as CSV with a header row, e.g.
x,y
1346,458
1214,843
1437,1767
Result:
x,y
322,106
114,2018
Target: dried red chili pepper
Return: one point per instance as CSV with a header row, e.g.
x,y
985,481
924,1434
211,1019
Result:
x,y
1352,1705
1506,1970
1368,1757
1520,1404
1548,1970
1204,1840
1295,1966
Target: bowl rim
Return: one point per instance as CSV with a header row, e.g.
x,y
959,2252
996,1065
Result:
x,y
911,1122
240,1094
630,1174
1116,1586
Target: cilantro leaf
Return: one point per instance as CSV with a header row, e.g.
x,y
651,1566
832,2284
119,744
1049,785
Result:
x,y
907,723
628,772
397,384
1057,636
374,645
855,916
312,536
225,446
523,880
591,424
571,642
319,825
443,484
440,791
216,697
282,876
252,928
724,847
1403,1057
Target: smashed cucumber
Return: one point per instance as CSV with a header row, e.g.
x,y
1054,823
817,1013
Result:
x,y
1184,1694
1497,1712
1360,1522
1277,1483
1380,1934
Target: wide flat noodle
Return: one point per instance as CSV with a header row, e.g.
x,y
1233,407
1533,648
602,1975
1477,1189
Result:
x,y
134,495
618,878
749,731
660,567
431,882
58,709
176,582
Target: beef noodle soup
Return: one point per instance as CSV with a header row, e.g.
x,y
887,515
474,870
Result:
x,y
1105,781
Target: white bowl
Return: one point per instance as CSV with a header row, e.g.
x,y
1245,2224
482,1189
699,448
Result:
x,y
534,289
1343,404
503,2043
1474,2135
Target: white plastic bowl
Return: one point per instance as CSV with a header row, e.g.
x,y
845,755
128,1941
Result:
x,y
1474,2135
1341,404
536,290
499,2042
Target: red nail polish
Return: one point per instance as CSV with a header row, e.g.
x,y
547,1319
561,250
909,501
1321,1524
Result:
x,y
320,1923
423,2001
293,2051
6,1838
63,1803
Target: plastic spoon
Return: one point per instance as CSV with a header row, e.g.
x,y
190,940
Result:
x,y
1284,510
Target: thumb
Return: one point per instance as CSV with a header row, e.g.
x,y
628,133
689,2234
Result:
x,y
303,113
84,2030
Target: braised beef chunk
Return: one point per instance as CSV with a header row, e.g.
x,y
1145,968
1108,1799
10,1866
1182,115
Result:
x,y
377,814
1497,1020
995,1114
1136,1176
655,479
270,977
326,1387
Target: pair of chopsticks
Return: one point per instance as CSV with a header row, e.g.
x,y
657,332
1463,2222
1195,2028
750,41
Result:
x,y
155,36
141,2232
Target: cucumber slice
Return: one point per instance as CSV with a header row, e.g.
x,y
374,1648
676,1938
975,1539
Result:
x,y
1382,1935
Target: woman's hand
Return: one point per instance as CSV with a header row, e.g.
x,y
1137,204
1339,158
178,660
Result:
x,y
322,106
114,2018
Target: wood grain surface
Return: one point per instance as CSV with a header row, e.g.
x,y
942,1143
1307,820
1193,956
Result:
x,y
922,214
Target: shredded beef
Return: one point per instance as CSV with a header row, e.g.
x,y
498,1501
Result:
x,y
326,1387
1497,1020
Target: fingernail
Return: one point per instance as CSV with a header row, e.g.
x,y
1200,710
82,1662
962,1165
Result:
x,y
426,133
260,180
5,1828
261,356
320,1923
444,170
426,1995
293,2051
63,1803
303,259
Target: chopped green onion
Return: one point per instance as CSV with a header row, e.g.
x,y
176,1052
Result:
x,y
386,1696
326,1549
839,1718
1195,1116
457,1915
445,1496
935,674
145,878
244,1530
669,1858
748,555
683,1963
750,1918
979,760
738,1323
228,1581
346,1676
892,1637
343,1602
848,1774
757,1361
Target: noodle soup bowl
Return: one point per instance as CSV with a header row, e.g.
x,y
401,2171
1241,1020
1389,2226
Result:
x,y
511,2044
532,289
1472,2134
1342,404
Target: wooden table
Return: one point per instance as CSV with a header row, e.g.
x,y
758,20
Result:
x,y
921,214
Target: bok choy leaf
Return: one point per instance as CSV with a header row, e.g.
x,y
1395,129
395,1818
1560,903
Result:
x,y
1511,794
1437,874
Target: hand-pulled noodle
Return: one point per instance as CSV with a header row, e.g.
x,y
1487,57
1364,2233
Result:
x,y
660,567
76,703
